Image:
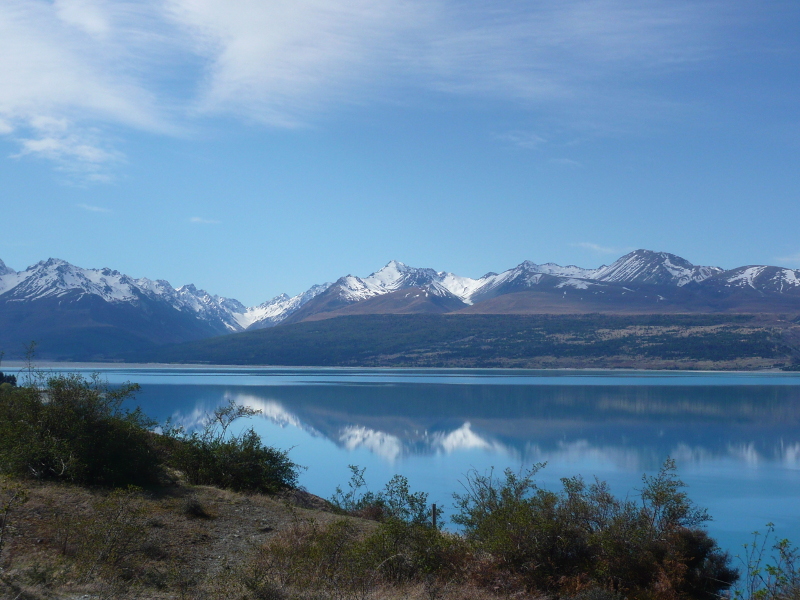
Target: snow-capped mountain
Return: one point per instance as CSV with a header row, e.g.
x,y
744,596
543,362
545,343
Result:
x,y
55,278
4,270
525,276
397,276
279,308
54,295
761,279
657,268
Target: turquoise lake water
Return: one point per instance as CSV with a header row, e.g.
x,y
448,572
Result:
x,y
735,436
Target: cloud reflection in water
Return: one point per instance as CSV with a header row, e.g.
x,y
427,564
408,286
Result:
x,y
393,442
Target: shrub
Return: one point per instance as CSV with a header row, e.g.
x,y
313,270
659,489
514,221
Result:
x,y
775,577
193,508
411,552
394,502
405,546
12,495
341,560
583,536
74,429
331,560
116,534
237,462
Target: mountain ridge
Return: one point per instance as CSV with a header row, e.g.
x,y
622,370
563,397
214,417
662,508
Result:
x,y
642,281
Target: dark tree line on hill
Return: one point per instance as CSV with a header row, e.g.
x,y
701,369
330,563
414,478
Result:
x,y
488,340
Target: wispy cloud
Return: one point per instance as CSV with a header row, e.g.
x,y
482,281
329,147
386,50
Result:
x,y
203,221
90,208
522,139
284,61
280,61
599,249
565,162
99,65
77,151
792,259
71,69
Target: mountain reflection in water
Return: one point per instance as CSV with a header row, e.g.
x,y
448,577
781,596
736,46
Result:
x,y
735,437
632,426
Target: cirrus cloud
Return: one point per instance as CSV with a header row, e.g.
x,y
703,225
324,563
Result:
x,y
104,66
71,69
791,259
90,208
600,249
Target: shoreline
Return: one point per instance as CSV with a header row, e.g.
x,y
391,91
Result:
x,y
20,366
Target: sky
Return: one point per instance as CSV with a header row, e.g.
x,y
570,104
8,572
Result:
x,y
255,147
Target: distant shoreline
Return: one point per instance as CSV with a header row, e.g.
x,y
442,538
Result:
x,y
16,365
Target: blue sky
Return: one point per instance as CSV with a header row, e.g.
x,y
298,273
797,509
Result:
x,y
254,147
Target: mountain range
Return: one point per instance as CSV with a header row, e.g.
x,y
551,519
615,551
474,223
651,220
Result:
x,y
82,314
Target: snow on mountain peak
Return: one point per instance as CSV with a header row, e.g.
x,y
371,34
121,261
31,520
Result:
x,y
397,265
461,287
56,278
760,277
395,276
279,308
557,270
4,270
646,266
745,276
9,278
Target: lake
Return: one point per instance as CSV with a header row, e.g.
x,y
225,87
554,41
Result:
x,y
735,436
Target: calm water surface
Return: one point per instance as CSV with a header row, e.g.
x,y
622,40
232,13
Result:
x,y
735,436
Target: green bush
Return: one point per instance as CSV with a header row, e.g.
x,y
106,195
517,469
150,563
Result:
x,y
237,462
331,560
342,560
72,429
405,552
582,536
395,502
774,576
405,546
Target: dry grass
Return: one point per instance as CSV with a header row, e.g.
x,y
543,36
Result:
x,y
69,540
182,542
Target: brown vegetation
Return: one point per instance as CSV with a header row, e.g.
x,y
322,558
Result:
x,y
195,542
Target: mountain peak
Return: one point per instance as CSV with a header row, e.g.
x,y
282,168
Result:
x,y
50,263
659,268
393,270
5,270
554,269
276,300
